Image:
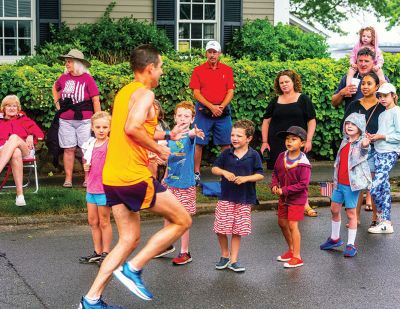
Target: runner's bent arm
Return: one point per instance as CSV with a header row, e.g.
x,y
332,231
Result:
x,y
140,105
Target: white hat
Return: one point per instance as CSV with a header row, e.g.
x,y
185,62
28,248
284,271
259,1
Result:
x,y
386,88
213,45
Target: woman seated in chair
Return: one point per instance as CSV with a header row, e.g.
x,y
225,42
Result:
x,y
18,134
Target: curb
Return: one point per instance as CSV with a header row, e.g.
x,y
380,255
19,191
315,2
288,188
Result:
x,y
202,209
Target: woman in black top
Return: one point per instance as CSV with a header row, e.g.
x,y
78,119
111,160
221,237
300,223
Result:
x,y
289,108
370,107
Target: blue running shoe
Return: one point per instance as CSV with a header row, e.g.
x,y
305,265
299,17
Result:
x,y
100,304
330,244
350,251
133,281
223,263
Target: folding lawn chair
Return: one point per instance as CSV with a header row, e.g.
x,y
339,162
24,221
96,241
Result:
x,y
31,165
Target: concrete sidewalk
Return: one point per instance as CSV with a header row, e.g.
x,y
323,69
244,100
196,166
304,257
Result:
x,y
322,171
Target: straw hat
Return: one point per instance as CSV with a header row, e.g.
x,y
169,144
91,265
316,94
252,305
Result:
x,y
77,55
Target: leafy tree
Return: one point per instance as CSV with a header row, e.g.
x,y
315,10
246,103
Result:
x,y
330,13
259,40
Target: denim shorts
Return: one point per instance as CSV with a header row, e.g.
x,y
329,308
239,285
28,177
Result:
x,y
343,194
220,127
97,199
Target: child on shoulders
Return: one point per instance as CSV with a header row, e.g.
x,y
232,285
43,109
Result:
x,y
240,168
367,38
95,150
387,146
351,174
290,180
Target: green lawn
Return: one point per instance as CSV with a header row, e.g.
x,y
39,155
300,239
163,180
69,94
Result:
x,y
57,200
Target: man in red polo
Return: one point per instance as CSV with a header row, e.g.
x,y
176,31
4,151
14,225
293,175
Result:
x,y
212,84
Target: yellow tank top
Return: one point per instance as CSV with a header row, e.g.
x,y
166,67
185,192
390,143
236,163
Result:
x,y
126,162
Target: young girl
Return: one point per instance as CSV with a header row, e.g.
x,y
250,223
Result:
x,y
179,178
387,147
95,150
367,38
156,165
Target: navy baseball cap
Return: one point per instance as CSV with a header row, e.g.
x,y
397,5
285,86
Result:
x,y
294,130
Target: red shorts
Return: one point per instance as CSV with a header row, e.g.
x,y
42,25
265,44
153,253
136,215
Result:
x,y
187,197
232,218
290,212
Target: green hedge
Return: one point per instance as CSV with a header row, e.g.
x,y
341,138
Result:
x,y
254,89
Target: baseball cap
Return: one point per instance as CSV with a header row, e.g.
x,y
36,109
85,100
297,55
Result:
x,y
386,88
294,130
213,45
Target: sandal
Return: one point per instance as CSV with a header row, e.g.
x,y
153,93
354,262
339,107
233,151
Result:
x,y
67,184
308,211
368,207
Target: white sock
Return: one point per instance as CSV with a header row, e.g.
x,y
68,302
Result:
x,y
91,301
131,268
335,230
351,236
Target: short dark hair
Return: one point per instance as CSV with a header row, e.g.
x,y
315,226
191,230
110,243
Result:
x,y
142,56
245,124
366,52
373,76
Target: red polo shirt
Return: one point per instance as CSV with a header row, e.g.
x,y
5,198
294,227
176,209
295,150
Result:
x,y
213,84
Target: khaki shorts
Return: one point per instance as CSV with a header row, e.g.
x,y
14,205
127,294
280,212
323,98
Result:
x,y
73,132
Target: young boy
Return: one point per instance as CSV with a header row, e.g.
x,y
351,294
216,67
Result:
x,y
290,180
179,178
240,168
351,175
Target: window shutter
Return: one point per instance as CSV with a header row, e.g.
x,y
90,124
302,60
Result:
x,y
165,17
49,12
232,16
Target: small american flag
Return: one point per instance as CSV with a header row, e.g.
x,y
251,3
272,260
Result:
x,y
326,188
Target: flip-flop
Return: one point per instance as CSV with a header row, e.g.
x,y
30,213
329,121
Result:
x,y
67,184
368,207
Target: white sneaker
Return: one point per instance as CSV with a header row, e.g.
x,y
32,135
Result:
x,y
20,200
381,228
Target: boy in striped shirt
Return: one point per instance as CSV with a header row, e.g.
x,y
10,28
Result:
x,y
240,168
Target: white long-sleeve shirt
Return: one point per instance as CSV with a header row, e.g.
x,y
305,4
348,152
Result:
x,y
389,125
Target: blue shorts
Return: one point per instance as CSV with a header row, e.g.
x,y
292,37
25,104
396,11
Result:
x,y
220,127
371,159
97,199
343,194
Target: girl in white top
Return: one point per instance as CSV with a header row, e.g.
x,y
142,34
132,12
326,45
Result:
x,y
387,145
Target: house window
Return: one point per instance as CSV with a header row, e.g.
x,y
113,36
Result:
x,y
197,23
16,27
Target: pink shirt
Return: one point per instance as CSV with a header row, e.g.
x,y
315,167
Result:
x,y
378,54
78,88
95,179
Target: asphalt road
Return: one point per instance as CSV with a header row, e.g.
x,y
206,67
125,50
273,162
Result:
x,y
39,269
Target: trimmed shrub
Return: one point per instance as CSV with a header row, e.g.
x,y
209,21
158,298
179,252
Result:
x,y
259,40
254,89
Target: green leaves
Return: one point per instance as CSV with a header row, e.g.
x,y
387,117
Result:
x,y
259,39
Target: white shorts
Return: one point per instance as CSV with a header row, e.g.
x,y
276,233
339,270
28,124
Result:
x,y
73,132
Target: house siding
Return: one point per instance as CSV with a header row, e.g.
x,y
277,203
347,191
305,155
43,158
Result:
x,y
75,12
253,9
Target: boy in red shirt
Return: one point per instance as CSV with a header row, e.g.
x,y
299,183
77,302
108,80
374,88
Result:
x,y
290,180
